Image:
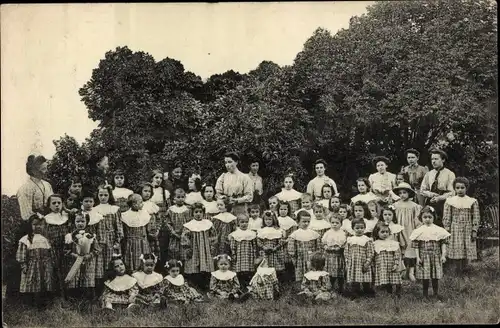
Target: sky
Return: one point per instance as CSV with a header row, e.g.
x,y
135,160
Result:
x,y
48,52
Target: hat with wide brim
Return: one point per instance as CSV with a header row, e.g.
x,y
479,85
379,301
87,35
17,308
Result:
x,y
404,186
384,159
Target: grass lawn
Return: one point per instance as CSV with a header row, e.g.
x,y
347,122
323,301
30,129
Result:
x,y
474,298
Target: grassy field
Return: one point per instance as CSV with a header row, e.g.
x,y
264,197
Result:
x,y
474,298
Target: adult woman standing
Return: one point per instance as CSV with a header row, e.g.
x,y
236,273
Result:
x,y
235,185
176,180
315,185
414,173
383,182
32,198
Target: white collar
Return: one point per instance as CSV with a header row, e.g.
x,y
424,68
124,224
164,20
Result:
x,y
177,281
225,217
228,275
370,224
332,237
121,283
387,245
428,233
261,271
269,233
210,207
461,202
254,224
95,216
136,219
150,207
178,209
315,275
193,197
364,197
358,240
240,235
198,226
286,222
39,241
120,192
395,228
106,209
56,218
304,235
147,280
319,225
288,195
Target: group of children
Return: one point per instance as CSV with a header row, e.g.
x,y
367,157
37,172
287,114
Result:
x,y
151,247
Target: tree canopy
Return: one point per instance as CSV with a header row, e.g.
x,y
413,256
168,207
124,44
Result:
x,y
406,74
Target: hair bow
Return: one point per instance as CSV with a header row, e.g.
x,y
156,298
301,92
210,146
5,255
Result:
x,y
141,258
195,176
432,209
166,265
392,207
180,263
204,185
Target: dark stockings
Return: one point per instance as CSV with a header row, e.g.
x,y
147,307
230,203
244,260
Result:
x,y
435,284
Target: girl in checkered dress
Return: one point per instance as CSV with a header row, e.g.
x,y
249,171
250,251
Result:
x,y
319,223
254,221
461,219
301,243
387,259
374,209
149,283
316,282
345,215
109,232
120,193
326,195
161,196
194,195
361,211
208,193
407,213
306,202
288,225
37,259
224,224
197,241
57,226
388,217
146,191
119,287
270,242
176,288
138,229
177,215
243,245
290,195
333,242
83,281
429,241
359,254
334,205
224,283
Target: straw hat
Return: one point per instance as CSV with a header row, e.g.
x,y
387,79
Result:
x,y
404,186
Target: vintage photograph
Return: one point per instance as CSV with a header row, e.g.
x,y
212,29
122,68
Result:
x,y
250,164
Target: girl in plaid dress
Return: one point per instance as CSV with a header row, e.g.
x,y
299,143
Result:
x,y
224,224
307,205
37,260
264,284
461,219
83,281
365,194
270,242
359,254
334,204
120,193
374,208
254,221
109,232
209,202
361,211
301,243
197,242
290,195
175,288
429,241
407,213
288,225
243,245
149,283
319,223
224,283
388,217
137,228
333,242
345,216
161,196
146,191
177,215
119,287
57,226
316,282
194,194
326,195
387,259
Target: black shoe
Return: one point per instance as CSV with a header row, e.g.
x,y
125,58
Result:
x,y
245,296
231,297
